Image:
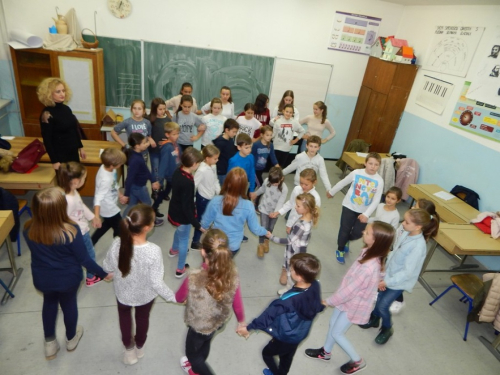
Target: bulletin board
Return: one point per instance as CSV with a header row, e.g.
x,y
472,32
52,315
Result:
x,y
476,117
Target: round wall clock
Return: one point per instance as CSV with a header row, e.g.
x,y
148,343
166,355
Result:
x,y
120,8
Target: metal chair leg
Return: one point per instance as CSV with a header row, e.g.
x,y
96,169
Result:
x,y
442,294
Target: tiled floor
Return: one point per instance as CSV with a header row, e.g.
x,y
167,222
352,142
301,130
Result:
x,y
427,340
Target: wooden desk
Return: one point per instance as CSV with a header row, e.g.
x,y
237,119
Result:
x,y
357,162
6,224
459,239
452,211
42,177
92,162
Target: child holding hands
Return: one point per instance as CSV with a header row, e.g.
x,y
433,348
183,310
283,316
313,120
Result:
x,y
137,265
359,203
354,299
289,318
388,212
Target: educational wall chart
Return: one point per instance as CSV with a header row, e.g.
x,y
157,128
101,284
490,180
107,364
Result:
x,y
434,94
452,49
353,32
476,117
485,86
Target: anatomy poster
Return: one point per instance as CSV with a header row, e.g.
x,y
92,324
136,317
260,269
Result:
x,y
476,117
353,32
485,86
452,49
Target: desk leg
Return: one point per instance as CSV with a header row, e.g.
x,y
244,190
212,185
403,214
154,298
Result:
x,y
492,346
462,266
428,257
16,272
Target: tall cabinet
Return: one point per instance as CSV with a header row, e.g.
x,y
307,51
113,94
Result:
x,y
82,69
381,102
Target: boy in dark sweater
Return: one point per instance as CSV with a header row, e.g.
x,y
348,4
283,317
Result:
x,y
181,211
225,144
289,319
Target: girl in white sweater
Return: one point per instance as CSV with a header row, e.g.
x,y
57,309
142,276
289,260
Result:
x,y
138,278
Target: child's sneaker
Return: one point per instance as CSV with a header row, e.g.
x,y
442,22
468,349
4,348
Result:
x,y
130,357
172,253
196,245
159,214
93,281
139,352
346,247
266,371
180,273
245,239
351,367
318,354
185,365
159,222
340,256
396,307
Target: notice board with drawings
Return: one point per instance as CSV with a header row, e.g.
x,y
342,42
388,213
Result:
x,y
122,69
452,49
167,66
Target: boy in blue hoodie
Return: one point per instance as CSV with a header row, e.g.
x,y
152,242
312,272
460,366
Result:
x,y
244,159
289,319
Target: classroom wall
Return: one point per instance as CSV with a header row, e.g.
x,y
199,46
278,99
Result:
x,y
294,29
447,155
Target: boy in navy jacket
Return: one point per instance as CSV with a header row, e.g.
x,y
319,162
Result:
x,y
289,319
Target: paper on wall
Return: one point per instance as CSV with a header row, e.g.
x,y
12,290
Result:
x,y
20,39
434,94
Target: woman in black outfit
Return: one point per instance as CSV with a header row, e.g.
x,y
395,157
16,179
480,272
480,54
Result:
x,y
59,125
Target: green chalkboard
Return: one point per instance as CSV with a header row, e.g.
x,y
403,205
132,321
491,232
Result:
x,y
122,69
167,66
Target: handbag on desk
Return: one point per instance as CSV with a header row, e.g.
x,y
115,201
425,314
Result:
x,y
28,157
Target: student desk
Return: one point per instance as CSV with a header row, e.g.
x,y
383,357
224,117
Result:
x,y
356,162
92,164
459,239
6,224
451,211
40,178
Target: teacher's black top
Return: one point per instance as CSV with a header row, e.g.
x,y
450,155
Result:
x,y
60,135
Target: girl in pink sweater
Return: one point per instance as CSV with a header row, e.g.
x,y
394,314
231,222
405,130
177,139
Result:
x,y
354,299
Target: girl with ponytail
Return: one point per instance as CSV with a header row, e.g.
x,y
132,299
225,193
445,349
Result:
x,y
209,294
137,265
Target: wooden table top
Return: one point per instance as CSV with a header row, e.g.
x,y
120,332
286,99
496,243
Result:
x,y
357,162
92,148
466,239
40,178
6,224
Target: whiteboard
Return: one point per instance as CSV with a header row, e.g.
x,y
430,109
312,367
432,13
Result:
x,y
309,82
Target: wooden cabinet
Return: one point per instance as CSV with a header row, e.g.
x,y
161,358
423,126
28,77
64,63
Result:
x,y
381,102
82,69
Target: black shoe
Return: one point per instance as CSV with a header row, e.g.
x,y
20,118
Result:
x,y
166,198
158,214
373,323
245,239
318,354
384,335
196,245
154,194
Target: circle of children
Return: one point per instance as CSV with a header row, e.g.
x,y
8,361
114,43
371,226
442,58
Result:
x,y
221,178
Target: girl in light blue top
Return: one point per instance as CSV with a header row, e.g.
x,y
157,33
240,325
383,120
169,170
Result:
x,y
403,267
231,210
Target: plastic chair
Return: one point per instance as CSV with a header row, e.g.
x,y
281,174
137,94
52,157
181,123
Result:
x,y
23,207
469,285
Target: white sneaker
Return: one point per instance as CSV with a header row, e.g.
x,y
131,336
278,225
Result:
x,y
396,307
139,352
185,365
130,356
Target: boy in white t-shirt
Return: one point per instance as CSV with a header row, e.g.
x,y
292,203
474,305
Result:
x,y
388,212
359,203
107,193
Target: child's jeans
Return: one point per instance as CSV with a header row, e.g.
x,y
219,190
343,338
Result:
x,y
351,228
181,240
155,164
384,301
141,323
67,300
282,157
90,249
284,350
339,324
267,223
221,178
137,194
201,206
197,351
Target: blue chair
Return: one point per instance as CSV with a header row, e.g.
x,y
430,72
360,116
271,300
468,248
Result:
x,y
23,207
467,284
7,289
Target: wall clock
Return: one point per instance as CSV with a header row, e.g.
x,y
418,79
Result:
x,y
120,8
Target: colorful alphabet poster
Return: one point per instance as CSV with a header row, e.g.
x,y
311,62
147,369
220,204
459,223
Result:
x,y
476,117
354,32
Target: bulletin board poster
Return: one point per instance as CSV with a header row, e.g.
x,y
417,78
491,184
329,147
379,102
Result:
x,y
354,32
452,49
476,117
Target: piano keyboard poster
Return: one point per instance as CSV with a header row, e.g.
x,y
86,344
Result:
x,y
434,94
476,117
354,32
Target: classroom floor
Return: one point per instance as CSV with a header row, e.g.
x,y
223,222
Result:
x,y
427,340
